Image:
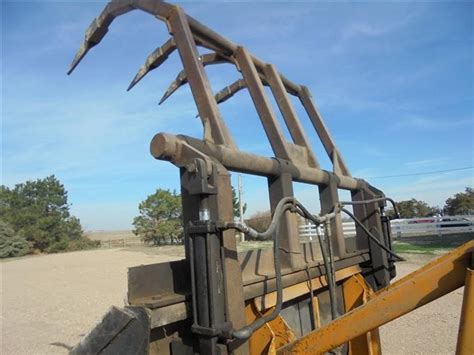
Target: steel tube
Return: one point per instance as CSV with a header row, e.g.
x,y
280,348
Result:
x,y
168,147
228,47
198,80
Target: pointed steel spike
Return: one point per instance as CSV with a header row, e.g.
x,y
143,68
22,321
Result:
x,y
180,80
165,96
138,76
153,61
94,34
83,49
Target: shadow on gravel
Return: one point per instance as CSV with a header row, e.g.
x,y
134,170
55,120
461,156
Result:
x,y
61,345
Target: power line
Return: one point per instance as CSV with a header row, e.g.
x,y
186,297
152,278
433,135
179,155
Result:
x,y
423,173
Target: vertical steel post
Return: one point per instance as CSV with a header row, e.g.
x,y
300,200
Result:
x,y
190,205
326,139
288,111
221,209
262,103
369,214
290,249
215,129
329,198
217,287
241,207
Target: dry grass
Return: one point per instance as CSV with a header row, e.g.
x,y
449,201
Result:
x,y
110,235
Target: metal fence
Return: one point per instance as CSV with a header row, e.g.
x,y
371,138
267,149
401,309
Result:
x,y
406,227
400,228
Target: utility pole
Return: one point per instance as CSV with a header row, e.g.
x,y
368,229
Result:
x,y
241,208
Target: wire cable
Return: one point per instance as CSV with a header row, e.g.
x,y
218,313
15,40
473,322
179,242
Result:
x,y
422,173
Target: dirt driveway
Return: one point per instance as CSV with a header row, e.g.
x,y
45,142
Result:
x,y
49,302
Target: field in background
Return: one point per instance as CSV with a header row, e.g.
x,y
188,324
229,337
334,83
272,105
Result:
x,y
433,245
110,235
427,244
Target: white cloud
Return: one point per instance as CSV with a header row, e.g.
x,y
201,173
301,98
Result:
x,y
426,162
431,123
377,27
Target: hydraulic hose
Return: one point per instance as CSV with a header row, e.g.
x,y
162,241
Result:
x,y
378,199
327,254
284,205
290,203
287,203
371,236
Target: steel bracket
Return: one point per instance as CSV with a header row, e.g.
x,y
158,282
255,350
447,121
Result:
x,y
199,178
201,227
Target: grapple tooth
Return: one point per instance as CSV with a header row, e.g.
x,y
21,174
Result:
x,y
94,34
180,80
229,91
153,61
83,49
138,76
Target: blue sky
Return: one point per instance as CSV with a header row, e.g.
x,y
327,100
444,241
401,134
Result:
x,y
393,81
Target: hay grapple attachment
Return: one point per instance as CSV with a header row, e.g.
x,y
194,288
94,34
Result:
x,y
306,297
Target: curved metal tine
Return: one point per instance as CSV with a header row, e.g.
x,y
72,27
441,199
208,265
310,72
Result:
x,y
98,29
181,78
229,91
153,61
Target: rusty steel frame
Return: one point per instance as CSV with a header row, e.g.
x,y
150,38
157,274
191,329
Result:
x,y
219,282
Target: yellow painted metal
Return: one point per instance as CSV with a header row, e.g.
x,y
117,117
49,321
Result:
x,y
317,316
428,283
466,325
291,292
356,292
282,334
261,340
270,336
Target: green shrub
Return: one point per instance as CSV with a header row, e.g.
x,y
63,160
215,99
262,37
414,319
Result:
x,y
12,245
59,246
160,219
38,218
83,244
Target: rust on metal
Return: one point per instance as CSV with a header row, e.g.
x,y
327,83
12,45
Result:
x,y
224,291
294,291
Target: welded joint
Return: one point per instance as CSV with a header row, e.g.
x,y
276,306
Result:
x,y
285,167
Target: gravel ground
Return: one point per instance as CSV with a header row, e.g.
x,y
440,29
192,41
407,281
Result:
x,y
49,302
431,329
